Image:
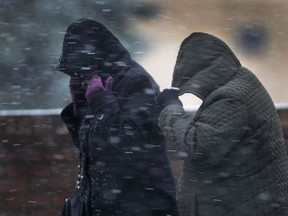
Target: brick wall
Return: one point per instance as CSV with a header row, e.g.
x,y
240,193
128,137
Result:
x,y
38,164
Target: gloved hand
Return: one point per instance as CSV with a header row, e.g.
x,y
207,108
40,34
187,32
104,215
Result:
x,y
96,86
77,92
168,97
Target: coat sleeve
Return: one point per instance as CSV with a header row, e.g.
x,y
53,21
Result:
x,y
121,149
212,135
134,105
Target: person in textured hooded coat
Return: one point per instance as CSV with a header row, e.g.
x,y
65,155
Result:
x,y
113,121
236,162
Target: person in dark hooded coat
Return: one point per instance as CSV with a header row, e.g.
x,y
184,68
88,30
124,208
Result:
x,y
113,121
236,162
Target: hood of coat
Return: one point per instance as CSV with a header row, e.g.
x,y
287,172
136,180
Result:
x,y
90,48
204,63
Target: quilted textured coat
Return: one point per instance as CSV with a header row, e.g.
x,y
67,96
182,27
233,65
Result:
x,y
124,166
236,162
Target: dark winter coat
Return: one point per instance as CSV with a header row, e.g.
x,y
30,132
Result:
x,y
236,163
125,169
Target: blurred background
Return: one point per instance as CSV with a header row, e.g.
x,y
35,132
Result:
x,y
38,162
32,31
